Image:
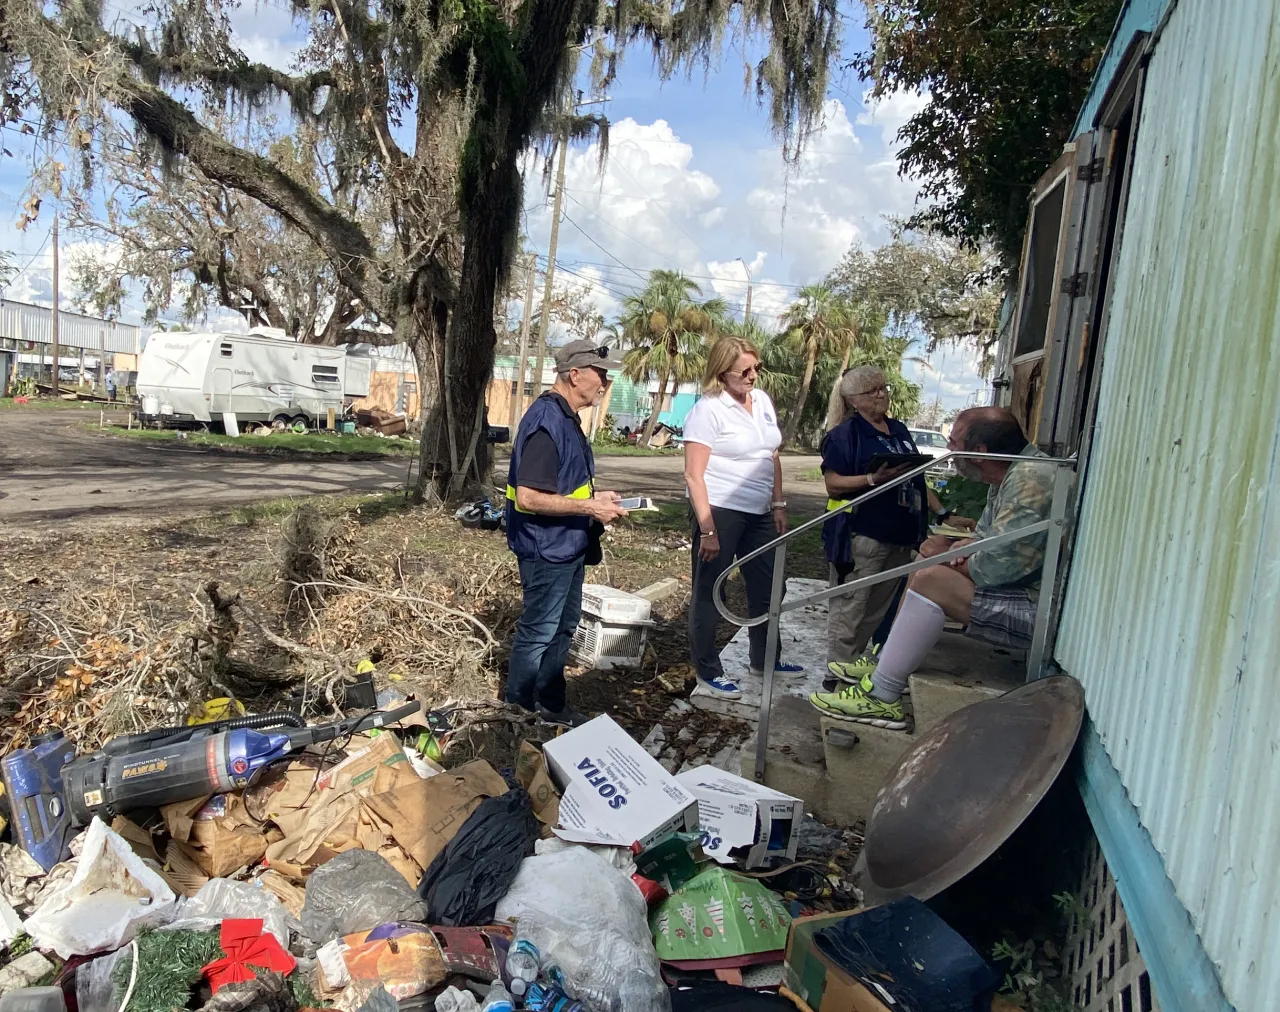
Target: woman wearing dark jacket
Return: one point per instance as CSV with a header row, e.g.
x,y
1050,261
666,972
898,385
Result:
x,y
881,533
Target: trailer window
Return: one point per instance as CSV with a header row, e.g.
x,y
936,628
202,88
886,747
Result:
x,y
224,349
325,374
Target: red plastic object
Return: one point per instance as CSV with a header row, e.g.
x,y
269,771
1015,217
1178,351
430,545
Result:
x,y
651,891
245,945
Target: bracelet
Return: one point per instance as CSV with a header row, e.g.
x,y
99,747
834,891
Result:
x,y
707,534
871,481
778,505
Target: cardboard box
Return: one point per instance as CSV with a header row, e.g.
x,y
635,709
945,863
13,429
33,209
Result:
x,y
742,821
613,791
819,982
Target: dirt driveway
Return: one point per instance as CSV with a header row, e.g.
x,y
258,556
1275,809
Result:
x,y
53,468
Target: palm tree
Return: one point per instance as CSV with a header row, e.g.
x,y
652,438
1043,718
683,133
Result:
x,y
814,322
667,330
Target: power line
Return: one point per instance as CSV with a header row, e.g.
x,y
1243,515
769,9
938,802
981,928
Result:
x,y
597,245
621,231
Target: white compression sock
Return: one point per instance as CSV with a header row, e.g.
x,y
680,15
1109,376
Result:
x,y
915,631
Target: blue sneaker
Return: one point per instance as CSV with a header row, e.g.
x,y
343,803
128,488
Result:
x,y
721,687
779,669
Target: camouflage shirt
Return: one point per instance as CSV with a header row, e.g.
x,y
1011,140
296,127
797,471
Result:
x,y
1023,498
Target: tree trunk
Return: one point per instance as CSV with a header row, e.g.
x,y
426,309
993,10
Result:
x,y
657,408
844,362
793,422
463,345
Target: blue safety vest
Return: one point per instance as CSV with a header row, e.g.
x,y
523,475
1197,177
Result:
x,y
552,539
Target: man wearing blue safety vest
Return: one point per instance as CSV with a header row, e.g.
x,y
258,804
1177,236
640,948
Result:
x,y
551,505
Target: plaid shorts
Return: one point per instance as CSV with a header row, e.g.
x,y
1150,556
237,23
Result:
x,y
1002,616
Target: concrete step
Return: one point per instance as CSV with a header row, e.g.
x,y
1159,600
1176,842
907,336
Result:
x,y
934,696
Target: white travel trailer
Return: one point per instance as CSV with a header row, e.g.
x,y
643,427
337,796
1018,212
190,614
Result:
x,y
192,379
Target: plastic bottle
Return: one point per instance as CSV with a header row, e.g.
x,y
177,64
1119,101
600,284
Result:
x,y
548,998
499,1000
523,961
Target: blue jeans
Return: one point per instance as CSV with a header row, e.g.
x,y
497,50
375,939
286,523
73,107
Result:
x,y
552,608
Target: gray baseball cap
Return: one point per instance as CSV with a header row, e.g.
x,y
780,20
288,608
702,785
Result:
x,y
585,355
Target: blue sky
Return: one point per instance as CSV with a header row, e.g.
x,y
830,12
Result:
x,y
694,180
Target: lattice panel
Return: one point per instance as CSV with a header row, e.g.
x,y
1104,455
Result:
x,y
1103,965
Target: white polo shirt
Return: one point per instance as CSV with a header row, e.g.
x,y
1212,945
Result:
x,y
740,471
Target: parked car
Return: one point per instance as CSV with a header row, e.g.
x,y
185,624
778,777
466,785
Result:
x,y
933,443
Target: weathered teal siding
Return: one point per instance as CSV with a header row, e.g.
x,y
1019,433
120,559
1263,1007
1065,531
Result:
x,y
1172,614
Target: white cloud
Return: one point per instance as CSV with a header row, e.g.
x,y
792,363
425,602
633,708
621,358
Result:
x,y
266,34
952,374
891,113
837,194
643,208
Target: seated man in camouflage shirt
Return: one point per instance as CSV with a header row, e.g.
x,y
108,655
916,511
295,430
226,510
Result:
x,y
994,593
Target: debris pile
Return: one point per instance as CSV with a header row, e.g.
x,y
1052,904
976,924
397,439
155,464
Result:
x,y
349,820
260,861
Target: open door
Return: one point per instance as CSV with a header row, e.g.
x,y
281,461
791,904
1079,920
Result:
x,y
1068,415
1049,285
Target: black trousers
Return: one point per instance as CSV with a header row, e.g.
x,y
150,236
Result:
x,y
740,534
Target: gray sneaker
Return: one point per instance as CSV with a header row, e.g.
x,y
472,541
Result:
x,y
568,717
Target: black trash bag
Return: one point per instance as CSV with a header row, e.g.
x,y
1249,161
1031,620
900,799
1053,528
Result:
x,y
356,891
476,868
914,955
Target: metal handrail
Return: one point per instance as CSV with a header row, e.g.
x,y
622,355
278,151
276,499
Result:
x,y
1051,526
717,588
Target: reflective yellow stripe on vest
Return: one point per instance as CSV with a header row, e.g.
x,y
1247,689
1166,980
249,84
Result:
x,y
581,492
835,504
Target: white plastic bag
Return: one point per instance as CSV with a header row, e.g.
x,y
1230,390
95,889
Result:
x,y
112,895
221,899
619,857
588,919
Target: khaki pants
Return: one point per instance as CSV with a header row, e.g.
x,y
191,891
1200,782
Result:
x,y
853,618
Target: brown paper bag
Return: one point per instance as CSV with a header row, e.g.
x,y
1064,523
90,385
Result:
x,y
531,771
426,815
218,833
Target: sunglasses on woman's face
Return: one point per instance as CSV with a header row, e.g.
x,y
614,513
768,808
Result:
x,y
748,372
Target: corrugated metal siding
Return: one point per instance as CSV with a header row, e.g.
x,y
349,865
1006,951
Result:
x,y
1172,617
24,322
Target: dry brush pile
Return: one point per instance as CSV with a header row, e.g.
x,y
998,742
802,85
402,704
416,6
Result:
x,y
110,660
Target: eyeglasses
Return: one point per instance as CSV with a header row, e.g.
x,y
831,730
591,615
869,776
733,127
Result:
x,y
751,370
883,388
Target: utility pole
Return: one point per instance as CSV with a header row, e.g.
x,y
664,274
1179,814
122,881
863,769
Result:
x,y
545,320
522,361
56,322
746,312
551,266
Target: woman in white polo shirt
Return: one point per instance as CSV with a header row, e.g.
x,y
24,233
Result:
x,y
731,468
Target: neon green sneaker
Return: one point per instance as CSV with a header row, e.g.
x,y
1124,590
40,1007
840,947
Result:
x,y
854,671
855,703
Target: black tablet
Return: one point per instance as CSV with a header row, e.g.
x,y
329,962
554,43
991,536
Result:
x,y
897,460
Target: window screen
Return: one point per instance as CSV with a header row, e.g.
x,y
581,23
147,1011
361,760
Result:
x,y
1041,266
224,349
324,374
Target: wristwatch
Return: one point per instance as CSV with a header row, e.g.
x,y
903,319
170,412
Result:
x,y
778,505
943,514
